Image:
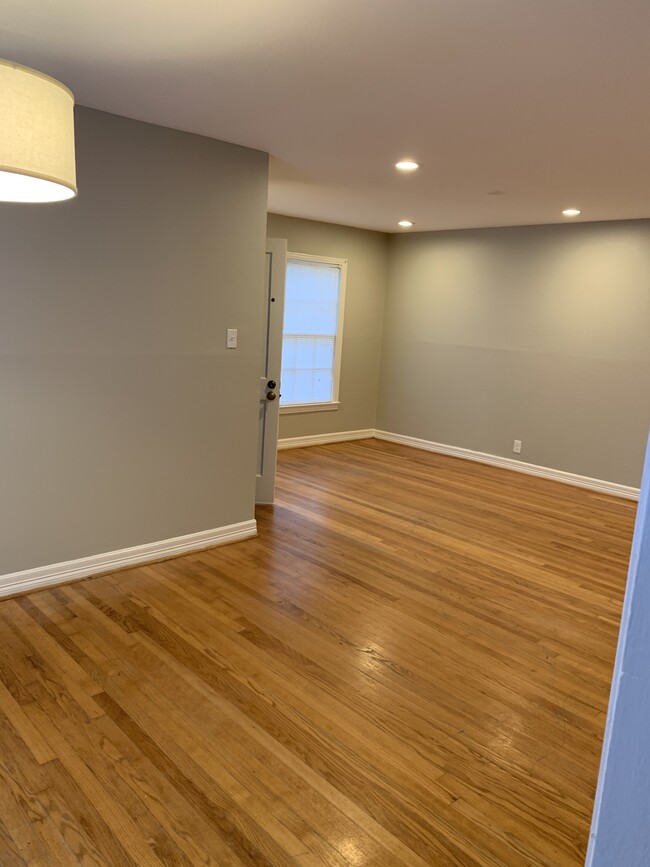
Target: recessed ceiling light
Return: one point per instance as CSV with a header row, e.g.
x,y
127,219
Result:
x,y
407,166
405,224
571,212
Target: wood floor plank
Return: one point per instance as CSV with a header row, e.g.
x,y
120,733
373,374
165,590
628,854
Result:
x,y
24,727
408,667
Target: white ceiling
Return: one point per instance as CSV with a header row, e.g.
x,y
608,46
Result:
x,y
547,101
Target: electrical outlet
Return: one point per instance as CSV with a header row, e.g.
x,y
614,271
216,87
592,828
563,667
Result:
x,y
517,447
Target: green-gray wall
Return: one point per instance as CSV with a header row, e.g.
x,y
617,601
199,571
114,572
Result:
x,y
364,316
124,418
539,333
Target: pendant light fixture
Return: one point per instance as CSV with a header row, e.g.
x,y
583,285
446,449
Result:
x,y
36,137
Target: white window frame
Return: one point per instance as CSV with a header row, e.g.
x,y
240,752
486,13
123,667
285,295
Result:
x,y
289,408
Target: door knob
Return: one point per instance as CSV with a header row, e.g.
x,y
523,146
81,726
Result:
x,y
271,383
271,395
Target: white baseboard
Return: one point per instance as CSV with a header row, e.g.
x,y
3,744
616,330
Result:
x,y
602,487
324,439
72,570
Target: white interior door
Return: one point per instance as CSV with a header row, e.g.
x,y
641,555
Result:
x,y
269,417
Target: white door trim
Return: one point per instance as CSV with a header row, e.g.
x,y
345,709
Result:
x,y
270,369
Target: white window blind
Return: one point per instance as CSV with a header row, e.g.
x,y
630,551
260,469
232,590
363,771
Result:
x,y
311,331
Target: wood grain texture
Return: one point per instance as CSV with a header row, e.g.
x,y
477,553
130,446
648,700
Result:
x,y
409,667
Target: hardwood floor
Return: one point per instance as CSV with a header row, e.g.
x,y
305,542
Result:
x,y
409,666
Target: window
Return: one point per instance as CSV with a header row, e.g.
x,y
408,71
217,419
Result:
x,y
311,339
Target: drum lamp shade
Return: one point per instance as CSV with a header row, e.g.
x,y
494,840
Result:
x,y
37,162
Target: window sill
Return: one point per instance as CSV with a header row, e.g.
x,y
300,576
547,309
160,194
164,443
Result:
x,y
290,408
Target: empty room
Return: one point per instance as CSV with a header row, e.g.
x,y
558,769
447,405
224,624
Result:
x,y
324,374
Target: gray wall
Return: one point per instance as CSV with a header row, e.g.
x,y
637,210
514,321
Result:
x,y
538,333
620,832
364,313
124,419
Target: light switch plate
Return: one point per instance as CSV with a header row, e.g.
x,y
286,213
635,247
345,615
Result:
x,y
231,338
